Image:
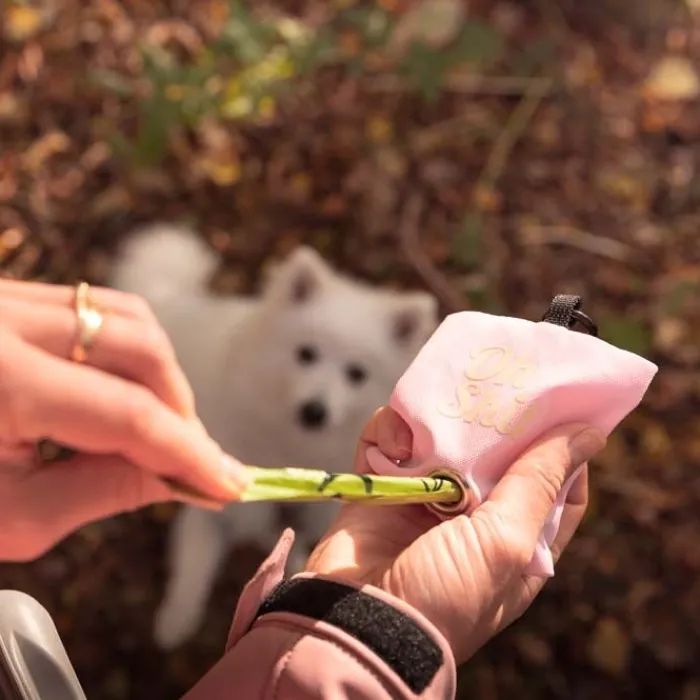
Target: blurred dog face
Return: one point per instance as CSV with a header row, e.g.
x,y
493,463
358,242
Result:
x,y
335,347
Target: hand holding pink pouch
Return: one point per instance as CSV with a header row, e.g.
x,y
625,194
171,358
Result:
x,y
484,387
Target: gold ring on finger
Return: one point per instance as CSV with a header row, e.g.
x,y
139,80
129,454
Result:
x,y
90,321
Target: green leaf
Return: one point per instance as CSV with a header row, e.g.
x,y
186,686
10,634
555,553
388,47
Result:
x,y
626,333
374,24
247,37
314,54
158,63
157,115
426,67
467,243
478,43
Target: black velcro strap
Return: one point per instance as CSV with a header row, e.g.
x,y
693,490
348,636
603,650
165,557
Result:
x,y
565,310
393,636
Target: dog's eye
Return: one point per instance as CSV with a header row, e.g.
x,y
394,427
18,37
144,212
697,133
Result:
x,y
307,355
356,374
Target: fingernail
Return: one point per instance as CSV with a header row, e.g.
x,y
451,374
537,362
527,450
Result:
x,y
585,445
235,471
404,441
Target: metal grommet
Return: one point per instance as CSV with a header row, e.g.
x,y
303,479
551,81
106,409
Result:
x,y
459,506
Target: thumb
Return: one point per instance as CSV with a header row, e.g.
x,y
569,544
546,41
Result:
x,y
508,524
53,501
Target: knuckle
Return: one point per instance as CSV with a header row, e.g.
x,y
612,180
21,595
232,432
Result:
x,y
138,307
153,348
550,477
503,536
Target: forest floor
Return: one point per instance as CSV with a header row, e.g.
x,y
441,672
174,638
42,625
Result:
x,y
592,187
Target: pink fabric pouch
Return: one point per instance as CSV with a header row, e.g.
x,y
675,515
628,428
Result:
x,y
484,387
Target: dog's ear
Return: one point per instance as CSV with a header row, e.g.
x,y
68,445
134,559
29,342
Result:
x,y
414,317
300,277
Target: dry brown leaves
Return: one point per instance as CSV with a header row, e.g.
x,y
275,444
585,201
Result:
x,y
598,195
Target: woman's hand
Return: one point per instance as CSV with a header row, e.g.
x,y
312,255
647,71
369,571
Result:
x,y
466,574
128,411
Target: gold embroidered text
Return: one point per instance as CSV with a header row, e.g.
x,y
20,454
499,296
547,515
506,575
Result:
x,y
483,396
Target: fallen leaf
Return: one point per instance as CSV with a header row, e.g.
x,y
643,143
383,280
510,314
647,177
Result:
x,y
391,162
669,332
238,107
534,648
609,648
672,78
584,68
301,184
293,31
10,239
221,173
350,42
114,199
12,109
266,108
433,22
631,188
486,198
22,22
379,129
41,150
656,441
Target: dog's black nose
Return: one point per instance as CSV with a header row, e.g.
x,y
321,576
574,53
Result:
x,y
312,414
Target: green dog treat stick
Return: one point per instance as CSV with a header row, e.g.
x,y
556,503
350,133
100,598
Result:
x,y
308,485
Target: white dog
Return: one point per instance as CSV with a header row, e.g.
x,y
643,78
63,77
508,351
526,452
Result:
x,y
286,379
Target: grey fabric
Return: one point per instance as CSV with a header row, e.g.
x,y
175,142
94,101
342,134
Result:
x,y
33,661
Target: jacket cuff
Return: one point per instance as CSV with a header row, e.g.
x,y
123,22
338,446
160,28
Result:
x,y
384,634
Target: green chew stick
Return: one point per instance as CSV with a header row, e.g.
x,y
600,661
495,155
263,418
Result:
x,y
295,484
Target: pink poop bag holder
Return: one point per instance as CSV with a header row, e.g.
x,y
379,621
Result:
x,y
484,387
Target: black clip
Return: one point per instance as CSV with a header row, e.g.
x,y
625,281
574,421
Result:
x,y
565,310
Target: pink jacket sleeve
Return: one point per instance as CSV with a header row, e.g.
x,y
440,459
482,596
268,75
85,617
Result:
x,y
313,637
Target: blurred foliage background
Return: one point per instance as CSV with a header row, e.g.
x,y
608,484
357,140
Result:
x,y
495,152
